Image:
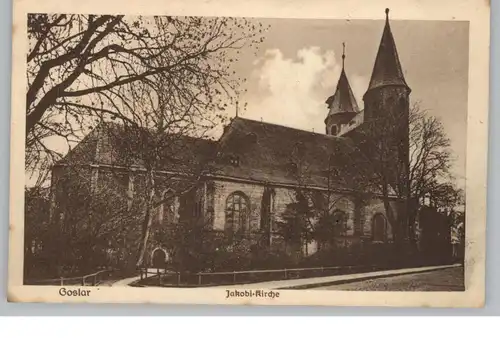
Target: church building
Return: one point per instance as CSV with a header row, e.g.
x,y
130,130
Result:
x,y
258,170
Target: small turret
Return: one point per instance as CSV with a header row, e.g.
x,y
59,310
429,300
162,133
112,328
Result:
x,y
342,106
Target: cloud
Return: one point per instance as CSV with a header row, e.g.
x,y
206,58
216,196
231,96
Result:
x,y
293,92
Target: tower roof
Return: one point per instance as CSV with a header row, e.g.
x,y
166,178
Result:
x,y
343,101
387,69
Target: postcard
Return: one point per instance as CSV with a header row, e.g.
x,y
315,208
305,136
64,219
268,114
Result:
x,y
327,153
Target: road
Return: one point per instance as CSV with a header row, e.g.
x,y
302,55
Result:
x,y
451,279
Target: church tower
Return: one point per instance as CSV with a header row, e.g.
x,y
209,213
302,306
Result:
x,y
342,106
388,100
387,89
388,96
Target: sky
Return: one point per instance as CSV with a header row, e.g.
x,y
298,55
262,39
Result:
x,y
297,67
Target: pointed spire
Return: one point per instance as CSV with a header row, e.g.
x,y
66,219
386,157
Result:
x,y
387,69
343,54
343,101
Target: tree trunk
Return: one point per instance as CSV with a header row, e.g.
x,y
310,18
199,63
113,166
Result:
x,y
148,217
393,220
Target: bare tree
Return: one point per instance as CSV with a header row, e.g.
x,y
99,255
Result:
x,y
377,165
309,216
83,68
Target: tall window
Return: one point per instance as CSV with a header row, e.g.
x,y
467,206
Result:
x,y
166,211
267,210
237,212
339,220
379,228
335,229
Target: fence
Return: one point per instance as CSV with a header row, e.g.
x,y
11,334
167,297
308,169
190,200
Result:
x,y
93,279
278,273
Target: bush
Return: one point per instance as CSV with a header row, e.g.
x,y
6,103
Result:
x,y
267,259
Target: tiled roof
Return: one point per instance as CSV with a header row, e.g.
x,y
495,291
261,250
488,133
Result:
x,y
278,154
343,100
387,68
248,150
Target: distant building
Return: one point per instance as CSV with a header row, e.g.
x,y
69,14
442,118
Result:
x,y
256,168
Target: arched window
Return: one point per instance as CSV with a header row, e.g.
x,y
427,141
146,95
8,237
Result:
x,y
379,228
166,210
333,130
237,212
335,228
339,223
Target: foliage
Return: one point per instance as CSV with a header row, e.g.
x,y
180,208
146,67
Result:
x,y
36,207
92,218
296,224
36,231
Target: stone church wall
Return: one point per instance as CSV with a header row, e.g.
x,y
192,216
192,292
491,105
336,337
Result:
x,y
359,215
283,197
222,189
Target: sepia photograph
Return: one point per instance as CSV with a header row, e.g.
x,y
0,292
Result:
x,y
252,158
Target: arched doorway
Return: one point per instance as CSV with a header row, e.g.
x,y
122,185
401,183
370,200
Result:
x,y
159,258
379,228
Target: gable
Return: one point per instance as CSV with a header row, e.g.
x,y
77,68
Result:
x,y
115,145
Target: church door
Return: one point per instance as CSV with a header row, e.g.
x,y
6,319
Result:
x,y
159,258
